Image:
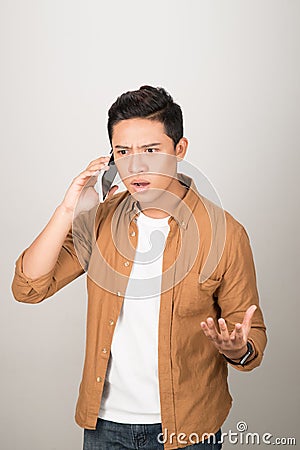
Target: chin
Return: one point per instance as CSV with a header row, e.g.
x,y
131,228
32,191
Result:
x,y
152,198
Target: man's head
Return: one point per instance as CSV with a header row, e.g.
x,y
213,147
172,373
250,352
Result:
x,y
150,103
146,132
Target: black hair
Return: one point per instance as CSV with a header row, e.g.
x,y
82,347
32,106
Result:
x,y
150,103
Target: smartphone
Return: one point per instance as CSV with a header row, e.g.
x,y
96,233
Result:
x,y
106,179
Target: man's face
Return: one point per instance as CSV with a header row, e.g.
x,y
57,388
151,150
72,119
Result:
x,y
145,157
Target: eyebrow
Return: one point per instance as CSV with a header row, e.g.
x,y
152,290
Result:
x,y
142,146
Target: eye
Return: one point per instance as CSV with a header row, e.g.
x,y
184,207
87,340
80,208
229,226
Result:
x,y
152,150
122,152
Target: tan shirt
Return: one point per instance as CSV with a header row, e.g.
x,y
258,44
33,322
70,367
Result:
x,y
208,271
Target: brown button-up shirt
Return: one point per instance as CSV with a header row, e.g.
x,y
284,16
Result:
x,y
208,271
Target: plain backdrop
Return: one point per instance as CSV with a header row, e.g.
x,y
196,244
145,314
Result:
x,y
233,66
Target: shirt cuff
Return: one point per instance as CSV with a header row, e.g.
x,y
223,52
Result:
x,y
235,362
26,283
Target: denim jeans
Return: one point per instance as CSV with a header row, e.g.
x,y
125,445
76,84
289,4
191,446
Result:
x,y
125,436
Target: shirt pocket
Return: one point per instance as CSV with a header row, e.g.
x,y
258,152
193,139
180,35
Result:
x,y
195,298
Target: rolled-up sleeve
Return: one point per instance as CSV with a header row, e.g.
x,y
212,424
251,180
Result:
x,y
72,262
238,291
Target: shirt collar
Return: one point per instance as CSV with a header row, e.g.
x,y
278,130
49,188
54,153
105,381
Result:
x,y
183,211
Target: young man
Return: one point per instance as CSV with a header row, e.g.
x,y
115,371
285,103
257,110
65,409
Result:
x,y
172,296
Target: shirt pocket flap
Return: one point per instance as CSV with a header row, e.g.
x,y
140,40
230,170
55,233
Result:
x,y
209,285
195,297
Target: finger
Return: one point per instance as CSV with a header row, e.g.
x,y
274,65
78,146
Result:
x,y
223,330
238,337
101,159
99,166
112,191
87,173
232,335
213,332
207,332
248,317
205,329
93,175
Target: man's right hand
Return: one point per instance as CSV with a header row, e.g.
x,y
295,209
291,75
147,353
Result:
x,y
85,182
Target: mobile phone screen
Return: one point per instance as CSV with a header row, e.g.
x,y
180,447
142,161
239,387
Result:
x,y
108,177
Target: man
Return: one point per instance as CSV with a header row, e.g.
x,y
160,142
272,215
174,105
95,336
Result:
x,y
172,296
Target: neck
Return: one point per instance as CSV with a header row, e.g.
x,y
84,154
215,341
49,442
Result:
x,y
171,201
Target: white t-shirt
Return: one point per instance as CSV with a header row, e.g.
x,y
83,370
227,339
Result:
x,y
131,388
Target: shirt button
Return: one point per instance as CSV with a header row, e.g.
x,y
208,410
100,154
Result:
x,y
182,223
132,233
104,350
111,322
99,379
126,263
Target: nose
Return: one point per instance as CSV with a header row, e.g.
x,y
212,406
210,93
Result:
x,y
137,163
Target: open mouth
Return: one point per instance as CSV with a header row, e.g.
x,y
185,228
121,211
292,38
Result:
x,y
140,185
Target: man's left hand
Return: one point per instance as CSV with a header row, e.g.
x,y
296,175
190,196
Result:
x,y
233,345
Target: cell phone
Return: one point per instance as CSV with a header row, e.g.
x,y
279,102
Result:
x,y
105,179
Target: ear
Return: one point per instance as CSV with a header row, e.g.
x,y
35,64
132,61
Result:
x,y
181,148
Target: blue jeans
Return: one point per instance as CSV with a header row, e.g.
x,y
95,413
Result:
x,y
125,436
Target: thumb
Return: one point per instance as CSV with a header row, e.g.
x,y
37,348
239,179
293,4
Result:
x,y
112,190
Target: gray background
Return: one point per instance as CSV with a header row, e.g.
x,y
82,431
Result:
x,y
233,66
